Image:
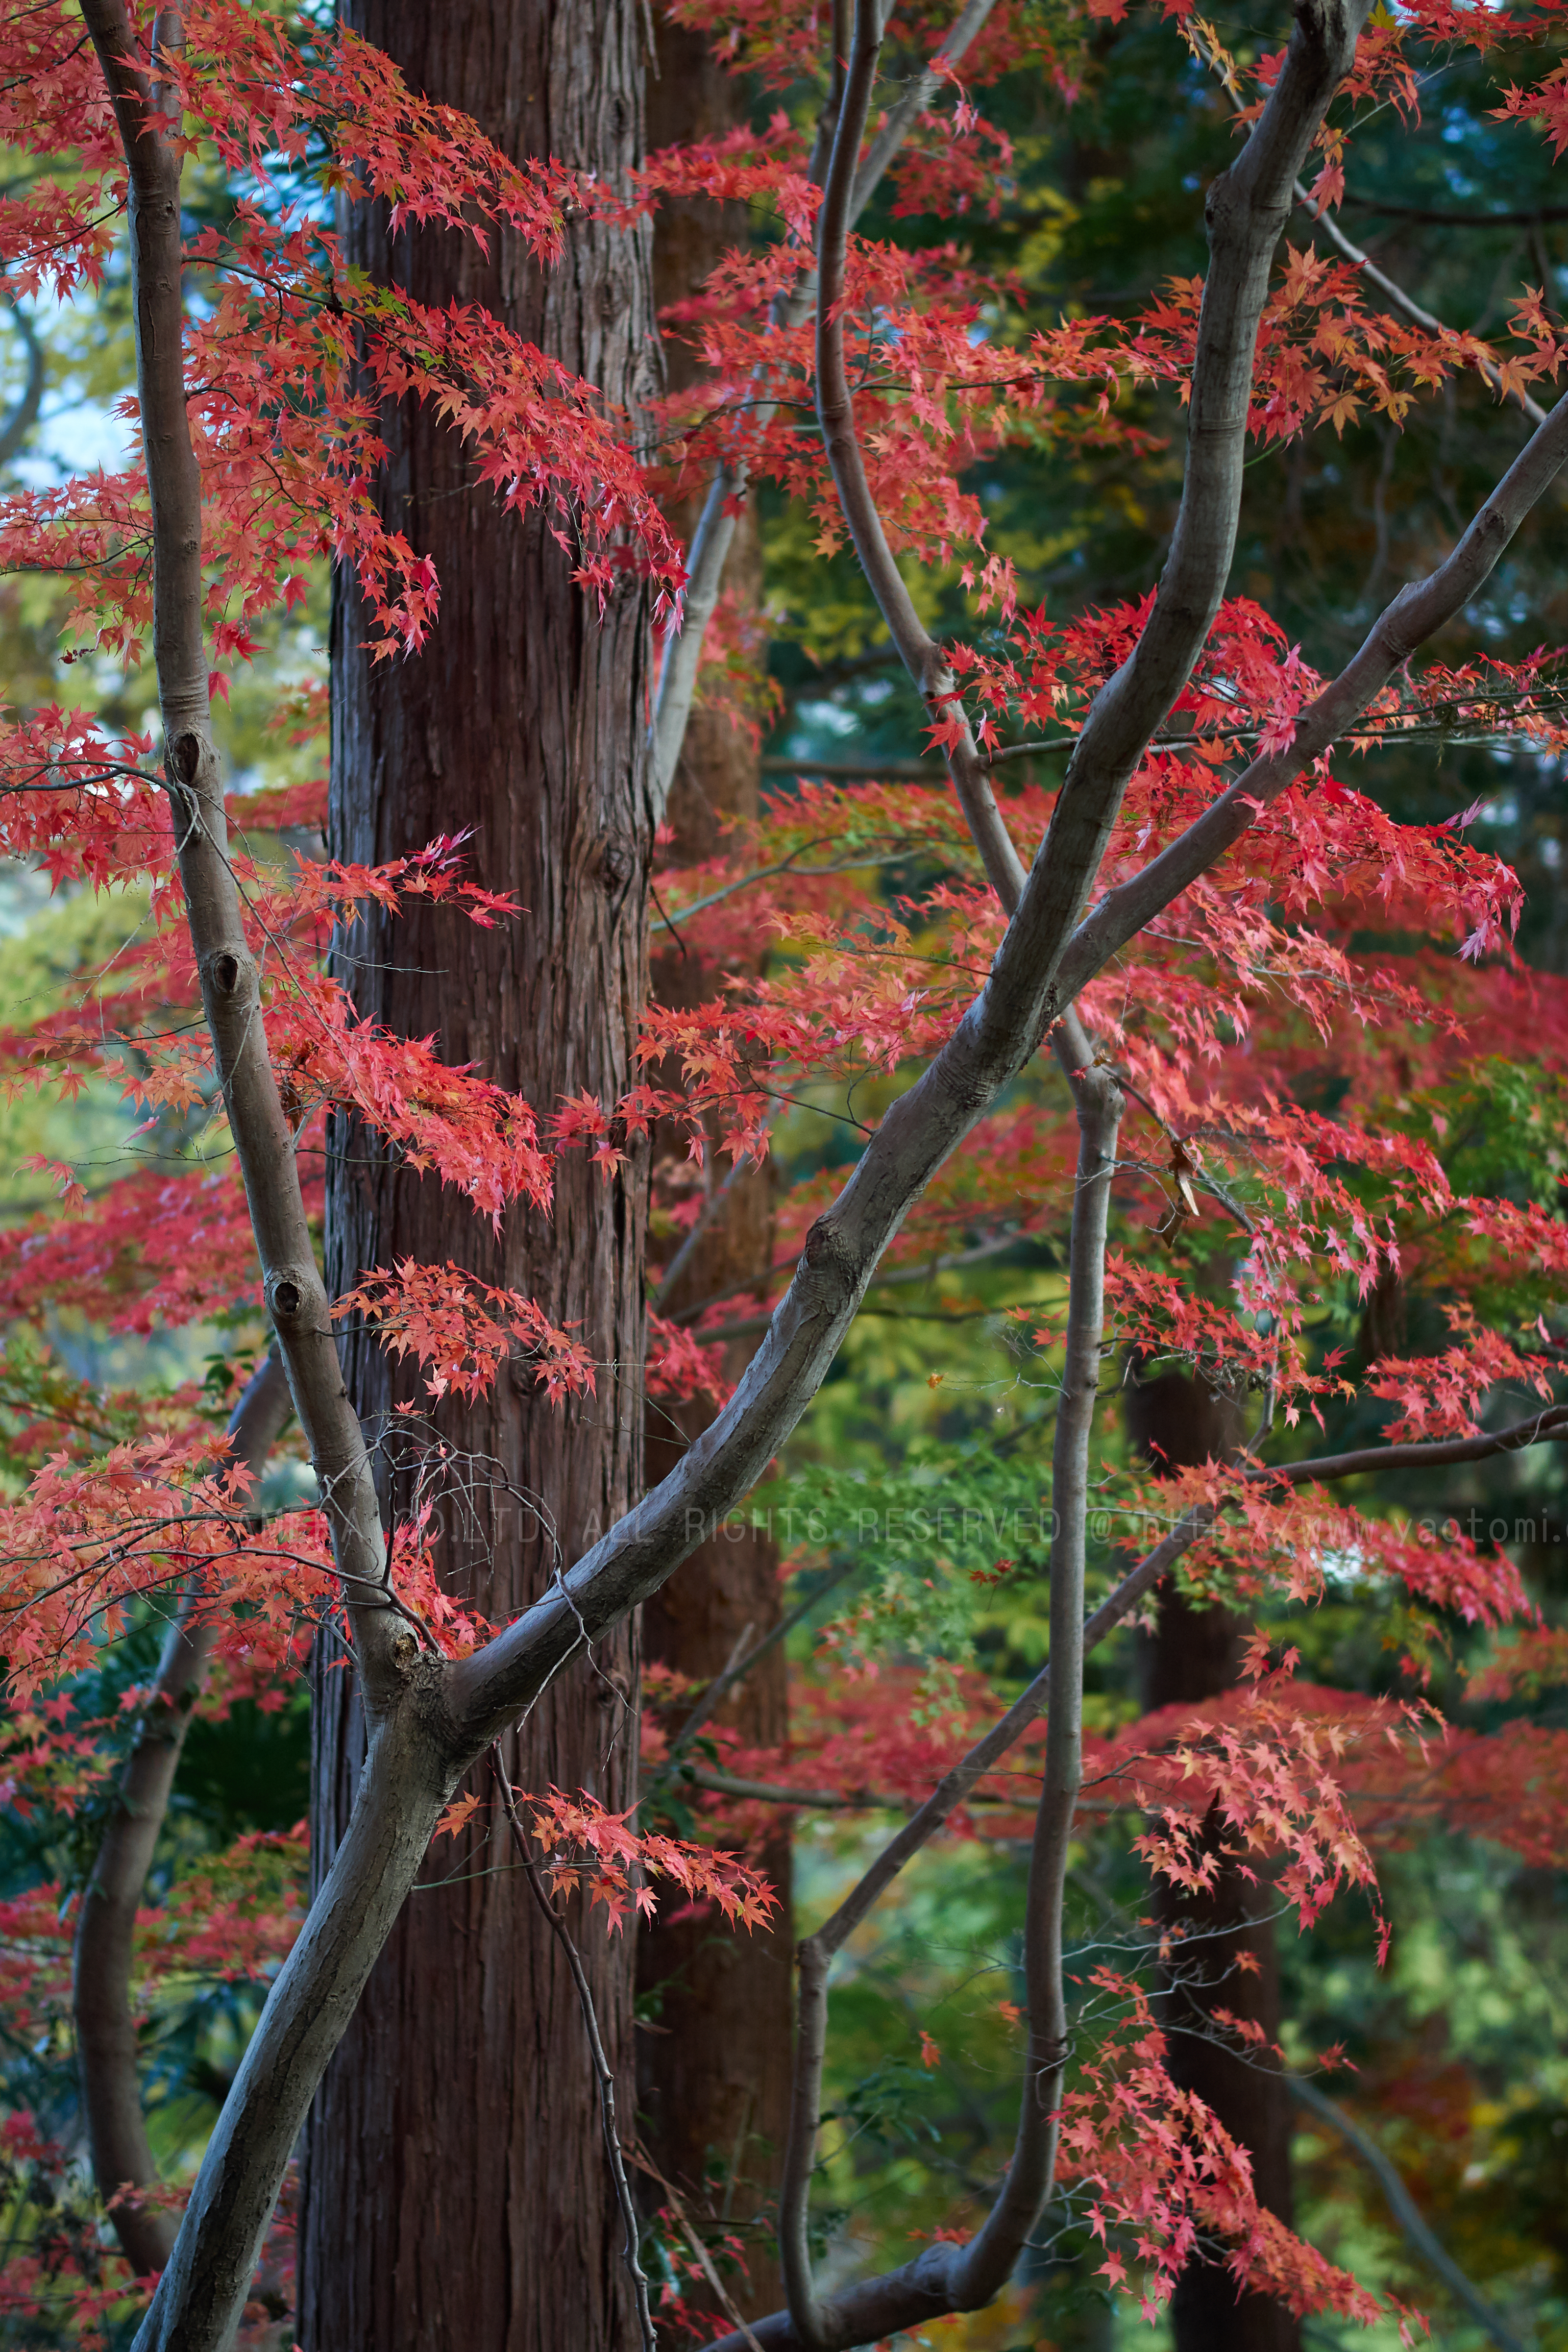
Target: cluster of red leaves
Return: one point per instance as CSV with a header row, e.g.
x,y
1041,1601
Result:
x,y
1155,2161
294,353
583,1848
463,1331
90,1540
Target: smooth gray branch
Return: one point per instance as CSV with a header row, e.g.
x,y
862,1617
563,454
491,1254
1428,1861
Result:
x,y
1418,610
682,652
386,1644
946,2278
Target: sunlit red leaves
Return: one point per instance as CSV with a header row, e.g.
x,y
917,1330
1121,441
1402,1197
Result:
x,y
461,1331
91,1538
1153,2160
584,1846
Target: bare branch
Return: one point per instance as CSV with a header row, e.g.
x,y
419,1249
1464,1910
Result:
x,y
766,1792
703,2258
1427,1455
406,1784
1247,210
1542,215
735,1673
1406,2212
917,97
944,2277
715,529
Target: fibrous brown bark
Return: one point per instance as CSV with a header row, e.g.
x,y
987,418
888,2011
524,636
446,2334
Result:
x,y
713,2056
1221,1942
456,2192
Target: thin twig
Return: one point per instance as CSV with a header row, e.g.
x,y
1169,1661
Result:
x,y
736,1671
640,2156
604,2076
1401,301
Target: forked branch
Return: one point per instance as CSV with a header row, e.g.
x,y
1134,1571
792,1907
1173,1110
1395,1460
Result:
x,y
944,2277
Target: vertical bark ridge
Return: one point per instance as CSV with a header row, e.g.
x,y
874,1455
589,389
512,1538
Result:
x,y
457,2190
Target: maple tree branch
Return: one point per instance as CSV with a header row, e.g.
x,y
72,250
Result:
x,y
386,1644
767,1792
404,1787
1537,219
603,2074
1424,2241
103,1955
1420,608
1416,612
715,531
917,97
922,657
766,873
944,2277
989,2260
1402,301
1245,212
1425,1453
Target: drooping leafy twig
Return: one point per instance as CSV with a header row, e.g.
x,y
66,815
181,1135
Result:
x,y
1324,220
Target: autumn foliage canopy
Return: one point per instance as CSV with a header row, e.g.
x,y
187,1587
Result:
x,y
1299,1037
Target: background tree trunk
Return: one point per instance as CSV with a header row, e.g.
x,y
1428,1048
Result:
x,y
1193,1655
713,2061
455,2189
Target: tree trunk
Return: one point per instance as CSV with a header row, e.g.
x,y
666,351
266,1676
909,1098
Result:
x,y
457,2193
713,2059
1194,1655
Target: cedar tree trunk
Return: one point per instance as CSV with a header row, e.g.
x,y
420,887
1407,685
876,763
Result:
x,y
456,2194
1195,1656
713,2056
